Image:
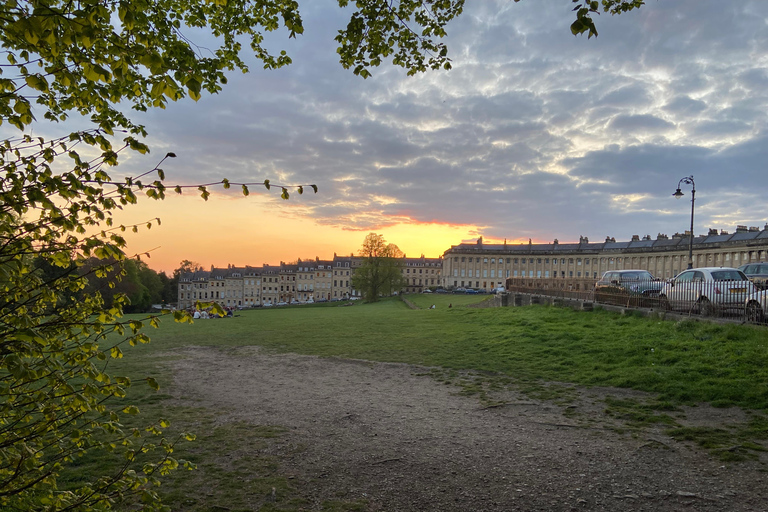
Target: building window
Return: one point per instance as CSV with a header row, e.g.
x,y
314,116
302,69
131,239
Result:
x,y
485,260
508,260
562,262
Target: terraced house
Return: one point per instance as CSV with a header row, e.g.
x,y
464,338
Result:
x,y
307,279
420,273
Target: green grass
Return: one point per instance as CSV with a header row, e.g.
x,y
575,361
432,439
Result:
x,y
543,351
443,300
685,362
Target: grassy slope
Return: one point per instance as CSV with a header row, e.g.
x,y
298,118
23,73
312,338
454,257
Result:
x,y
686,362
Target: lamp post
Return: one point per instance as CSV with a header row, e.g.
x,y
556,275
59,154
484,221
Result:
x,y
678,194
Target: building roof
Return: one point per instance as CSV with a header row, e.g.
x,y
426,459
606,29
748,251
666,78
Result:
x,y
661,243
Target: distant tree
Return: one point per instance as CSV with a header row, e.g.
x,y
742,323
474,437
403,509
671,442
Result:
x,y
170,292
380,273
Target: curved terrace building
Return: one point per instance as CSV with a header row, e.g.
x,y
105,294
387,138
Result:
x,y
481,265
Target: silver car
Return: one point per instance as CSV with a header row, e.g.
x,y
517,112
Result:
x,y
707,290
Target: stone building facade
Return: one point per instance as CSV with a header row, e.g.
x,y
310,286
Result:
x,y
421,273
301,281
487,266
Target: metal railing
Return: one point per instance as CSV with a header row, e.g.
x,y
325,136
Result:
x,y
737,300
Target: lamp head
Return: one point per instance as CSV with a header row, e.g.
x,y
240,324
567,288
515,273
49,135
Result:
x,y
678,194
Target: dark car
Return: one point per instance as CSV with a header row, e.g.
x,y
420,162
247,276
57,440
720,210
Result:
x,y
628,288
470,290
757,273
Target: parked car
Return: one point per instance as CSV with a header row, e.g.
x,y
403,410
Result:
x,y
282,303
756,307
757,273
442,290
500,289
707,290
426,290
470,290
628,288
459,290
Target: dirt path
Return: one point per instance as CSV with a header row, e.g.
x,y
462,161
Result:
x,y
405,442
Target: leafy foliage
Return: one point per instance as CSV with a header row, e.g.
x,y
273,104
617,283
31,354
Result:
x,y
65,282
586,8
408,30
380,272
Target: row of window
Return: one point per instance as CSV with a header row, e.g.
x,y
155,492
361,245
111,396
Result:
x,y
477,273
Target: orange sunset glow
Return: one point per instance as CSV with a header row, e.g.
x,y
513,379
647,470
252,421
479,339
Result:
x,y
255,230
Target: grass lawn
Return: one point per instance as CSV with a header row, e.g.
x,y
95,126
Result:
x,y
684,363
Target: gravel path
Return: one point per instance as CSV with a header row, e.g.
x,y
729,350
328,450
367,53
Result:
x,y
405,442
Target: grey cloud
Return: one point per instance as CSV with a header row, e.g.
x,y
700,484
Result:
x,y
721,128
639,123
685,105
627,96
754,78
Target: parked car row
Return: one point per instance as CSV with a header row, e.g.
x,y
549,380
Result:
x,y
707,291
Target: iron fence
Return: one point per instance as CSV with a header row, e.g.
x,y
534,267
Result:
x,y
737,300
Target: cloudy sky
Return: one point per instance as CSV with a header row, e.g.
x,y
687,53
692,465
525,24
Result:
x,y
534,133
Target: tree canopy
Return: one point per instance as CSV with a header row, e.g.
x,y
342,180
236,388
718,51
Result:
x,y
379,274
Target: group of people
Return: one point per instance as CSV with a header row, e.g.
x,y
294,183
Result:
x,y
206,314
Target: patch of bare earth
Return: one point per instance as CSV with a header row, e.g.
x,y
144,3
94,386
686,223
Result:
x,y
403,442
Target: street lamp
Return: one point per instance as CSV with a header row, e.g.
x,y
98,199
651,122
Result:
x,y
678,194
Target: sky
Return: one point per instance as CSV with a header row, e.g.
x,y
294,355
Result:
x,y
534,133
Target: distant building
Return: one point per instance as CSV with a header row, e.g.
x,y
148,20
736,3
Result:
x,y
302,281
481,265
421,273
